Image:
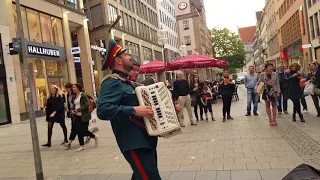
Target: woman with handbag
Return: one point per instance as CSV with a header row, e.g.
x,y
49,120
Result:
x,y
55,113
196,90
271,90
295,94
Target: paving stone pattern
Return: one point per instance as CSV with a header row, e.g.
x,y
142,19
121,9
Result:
x,y
306,147
245,148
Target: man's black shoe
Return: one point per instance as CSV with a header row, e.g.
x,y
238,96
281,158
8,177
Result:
x,y
248,114
224,119
230,118
256,114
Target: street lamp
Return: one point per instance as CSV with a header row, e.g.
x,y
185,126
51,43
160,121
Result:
x,y
183,50
163,40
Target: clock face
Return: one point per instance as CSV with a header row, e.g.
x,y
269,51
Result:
x,y
182,5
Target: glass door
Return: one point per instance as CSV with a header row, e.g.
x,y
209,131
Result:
x,y
4,103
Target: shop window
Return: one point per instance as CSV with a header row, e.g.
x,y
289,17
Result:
x,y
34,26
24,21
46,29
57,33
54,67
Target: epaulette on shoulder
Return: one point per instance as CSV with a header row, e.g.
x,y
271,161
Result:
x,y
114,76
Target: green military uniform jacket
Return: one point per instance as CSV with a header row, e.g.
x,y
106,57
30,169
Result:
x,y
116,103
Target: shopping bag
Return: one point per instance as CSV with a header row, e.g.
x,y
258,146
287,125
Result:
x,y
93,124
260,88
309,89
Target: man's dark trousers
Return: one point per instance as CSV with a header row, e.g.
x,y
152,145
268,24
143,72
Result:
x,y
143,163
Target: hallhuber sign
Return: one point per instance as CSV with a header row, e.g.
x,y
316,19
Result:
x,y
45,51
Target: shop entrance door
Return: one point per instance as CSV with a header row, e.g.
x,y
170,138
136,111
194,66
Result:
x,y
5,117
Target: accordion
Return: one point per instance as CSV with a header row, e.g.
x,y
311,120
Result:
x,y
164,122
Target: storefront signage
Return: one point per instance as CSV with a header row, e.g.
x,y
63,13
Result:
x,y
182,5
45,51
75,50
97,48
304,46
76,59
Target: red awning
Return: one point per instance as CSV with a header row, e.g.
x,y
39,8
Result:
x,y
196,61
152,67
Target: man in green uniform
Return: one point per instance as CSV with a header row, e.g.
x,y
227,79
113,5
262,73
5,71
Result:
x,y
119,104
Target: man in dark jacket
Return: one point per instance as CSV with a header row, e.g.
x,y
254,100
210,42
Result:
x,y
282,99
226,89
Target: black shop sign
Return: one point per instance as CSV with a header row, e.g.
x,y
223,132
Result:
x,y
45,51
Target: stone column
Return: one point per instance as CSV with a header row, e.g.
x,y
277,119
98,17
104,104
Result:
x,y
68,46
85,57
98,63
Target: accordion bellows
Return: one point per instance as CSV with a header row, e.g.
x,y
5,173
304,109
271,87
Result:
x,y
164,122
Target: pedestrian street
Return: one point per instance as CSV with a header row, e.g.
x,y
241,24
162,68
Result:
x,y
244,148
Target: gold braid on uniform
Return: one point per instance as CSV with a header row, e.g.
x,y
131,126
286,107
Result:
x,y
114,76
125,80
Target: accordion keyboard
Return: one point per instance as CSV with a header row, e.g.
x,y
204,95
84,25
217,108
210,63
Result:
x,y
165,121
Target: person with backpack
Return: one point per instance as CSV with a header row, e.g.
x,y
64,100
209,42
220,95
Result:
x,y
81,115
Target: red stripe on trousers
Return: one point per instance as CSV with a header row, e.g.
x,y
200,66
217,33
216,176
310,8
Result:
x,y
139,165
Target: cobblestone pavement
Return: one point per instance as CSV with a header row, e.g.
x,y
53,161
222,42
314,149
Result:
x,y
245,148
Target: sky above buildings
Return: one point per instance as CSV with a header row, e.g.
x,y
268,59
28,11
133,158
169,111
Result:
x,y
232,13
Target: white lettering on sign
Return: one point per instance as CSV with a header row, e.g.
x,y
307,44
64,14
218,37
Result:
x,y
43,51
100,49
304,46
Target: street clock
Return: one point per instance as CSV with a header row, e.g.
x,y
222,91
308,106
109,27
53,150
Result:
x,y
182,5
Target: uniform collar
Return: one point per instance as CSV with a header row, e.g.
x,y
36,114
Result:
x,y
121,74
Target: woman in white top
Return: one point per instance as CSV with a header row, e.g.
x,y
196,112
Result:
x,y
81,116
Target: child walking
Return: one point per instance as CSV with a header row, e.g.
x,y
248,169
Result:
x,y
206,100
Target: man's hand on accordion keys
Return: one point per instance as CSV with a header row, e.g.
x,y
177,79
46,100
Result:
x,y
177,106
143,111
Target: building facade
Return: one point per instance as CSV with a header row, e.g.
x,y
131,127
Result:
x,y
292,34
193,30
167,20
136,31
259,53
48,27
313,8
247,36
272,41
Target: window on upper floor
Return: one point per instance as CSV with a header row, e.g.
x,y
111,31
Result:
x,y
185,24
309,3
112,13
97,19
312,28
317,24
187,40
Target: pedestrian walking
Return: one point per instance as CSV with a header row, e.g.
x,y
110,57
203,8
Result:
x,y
271,92
206,103
196,90
55,113
182,89
250,81
283,97
226,89
81,116
314,78
295,93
